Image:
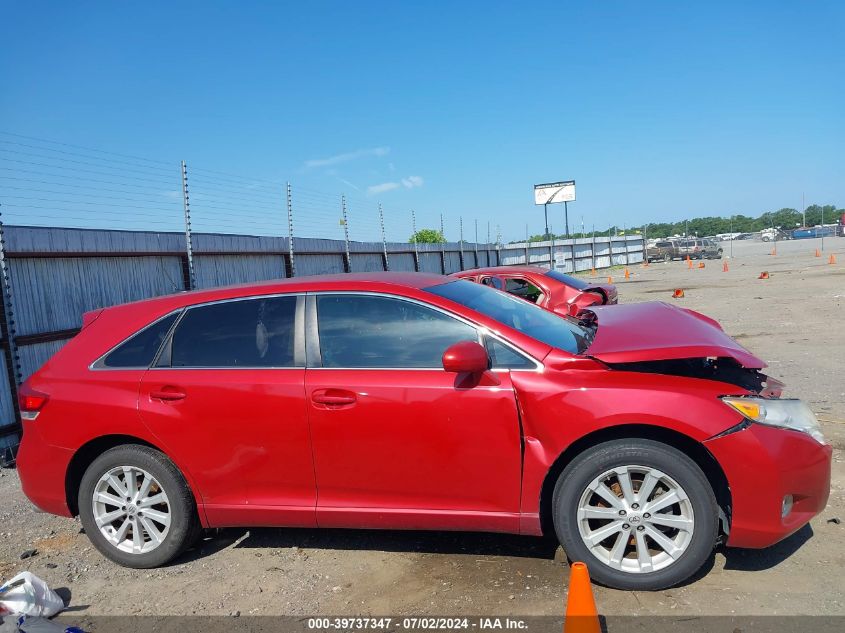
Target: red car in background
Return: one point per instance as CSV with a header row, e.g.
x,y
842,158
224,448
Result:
x,y
549,289
641,435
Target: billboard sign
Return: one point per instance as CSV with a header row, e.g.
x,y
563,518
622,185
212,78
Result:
x,y
550,192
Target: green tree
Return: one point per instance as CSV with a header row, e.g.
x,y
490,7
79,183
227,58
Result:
x,y
427,236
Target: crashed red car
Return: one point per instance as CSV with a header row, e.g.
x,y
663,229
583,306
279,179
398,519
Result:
x,y
641,435
549,289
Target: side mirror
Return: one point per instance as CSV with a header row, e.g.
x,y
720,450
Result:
x,y
466,357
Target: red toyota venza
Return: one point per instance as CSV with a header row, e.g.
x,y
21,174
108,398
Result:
x,y
641,434
550,289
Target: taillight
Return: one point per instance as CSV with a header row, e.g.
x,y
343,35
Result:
x,y
31,402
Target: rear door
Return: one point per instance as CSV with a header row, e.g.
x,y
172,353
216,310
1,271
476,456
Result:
x,y
226,400
398,441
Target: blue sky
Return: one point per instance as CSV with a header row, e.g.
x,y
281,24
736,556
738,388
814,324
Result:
x,y
659,111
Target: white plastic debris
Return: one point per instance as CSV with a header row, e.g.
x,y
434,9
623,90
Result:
x,y
27,594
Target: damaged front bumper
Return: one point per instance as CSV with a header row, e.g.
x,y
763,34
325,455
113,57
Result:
x,y
779,479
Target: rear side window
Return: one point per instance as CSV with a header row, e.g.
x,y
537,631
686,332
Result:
x,y
245,333
663,245
383,332
140,350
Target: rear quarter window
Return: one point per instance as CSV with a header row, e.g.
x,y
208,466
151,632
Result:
x,y
140,350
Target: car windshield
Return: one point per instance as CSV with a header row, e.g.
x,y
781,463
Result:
x,y
569,280
518,314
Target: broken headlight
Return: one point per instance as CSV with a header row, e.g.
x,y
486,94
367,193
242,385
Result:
x,y
784,414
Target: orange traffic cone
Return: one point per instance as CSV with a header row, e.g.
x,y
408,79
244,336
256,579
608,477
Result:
x,y
689,263
581,613
725,266
832,259
627,274
818,253
678,294
764,275
701,264
610,280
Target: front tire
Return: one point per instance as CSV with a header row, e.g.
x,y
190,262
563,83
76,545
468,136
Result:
x,y
136,507
640,513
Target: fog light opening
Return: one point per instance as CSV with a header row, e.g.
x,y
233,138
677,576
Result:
x,y
786,506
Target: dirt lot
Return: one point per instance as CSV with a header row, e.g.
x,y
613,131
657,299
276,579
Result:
x,y
794,320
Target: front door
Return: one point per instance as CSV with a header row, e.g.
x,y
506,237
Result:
x,y
226,399
398,441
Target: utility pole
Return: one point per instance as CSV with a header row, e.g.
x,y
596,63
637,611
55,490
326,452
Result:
x,y
416,246
346,233
290,231
189,248
383,237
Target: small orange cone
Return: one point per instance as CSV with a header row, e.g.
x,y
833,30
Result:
x,y
725,266
678,294
610,280
689,263
764,275
701,264
581,613
818,253
627,274
832,259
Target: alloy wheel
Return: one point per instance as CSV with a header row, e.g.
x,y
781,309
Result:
x,y
636,519
131,510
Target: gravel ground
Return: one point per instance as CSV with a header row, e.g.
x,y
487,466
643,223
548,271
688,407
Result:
x,y
793,320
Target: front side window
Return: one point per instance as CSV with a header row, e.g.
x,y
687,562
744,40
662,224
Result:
x,y
523,289
360,331
140,350
503,357
245,333
531,320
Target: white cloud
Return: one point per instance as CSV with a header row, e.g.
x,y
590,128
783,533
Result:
x,y
410,182
346,157
385,186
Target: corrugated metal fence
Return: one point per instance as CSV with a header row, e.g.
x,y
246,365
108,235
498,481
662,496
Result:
x,y
56,274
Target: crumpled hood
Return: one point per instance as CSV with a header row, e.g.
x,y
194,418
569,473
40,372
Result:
x,y
655,330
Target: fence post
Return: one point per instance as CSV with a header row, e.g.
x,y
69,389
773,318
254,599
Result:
x,y
186,203
527,260
289,200
442,246
10,349
416,246
461,242
498,245
383,237
348,262
476,243
551,249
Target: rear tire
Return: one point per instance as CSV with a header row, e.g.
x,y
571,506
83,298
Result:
x,y
136,507
642,550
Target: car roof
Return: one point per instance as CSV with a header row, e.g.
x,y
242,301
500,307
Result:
x,y
493,270
306,283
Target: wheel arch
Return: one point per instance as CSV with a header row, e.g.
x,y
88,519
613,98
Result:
x,y
91,450
684,443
